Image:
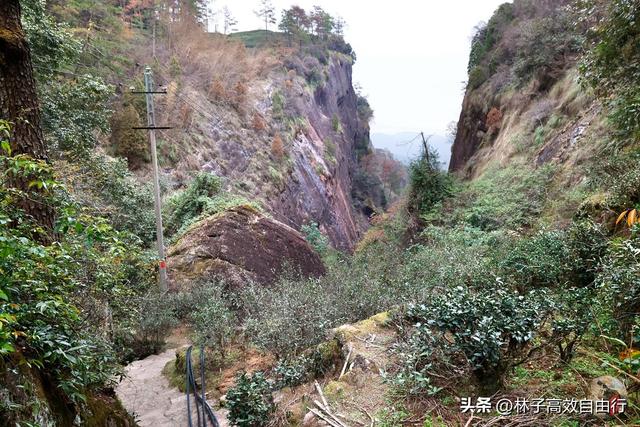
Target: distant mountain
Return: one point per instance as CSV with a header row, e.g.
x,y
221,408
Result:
x,y
405,148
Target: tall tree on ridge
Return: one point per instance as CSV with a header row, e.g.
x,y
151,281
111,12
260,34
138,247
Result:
x,y
229,21
267,12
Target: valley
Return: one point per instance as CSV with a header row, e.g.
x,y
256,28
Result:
x,y
322,274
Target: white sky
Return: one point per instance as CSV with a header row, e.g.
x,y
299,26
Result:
x,y
411,55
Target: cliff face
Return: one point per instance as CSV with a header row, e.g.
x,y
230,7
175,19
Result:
x,y
290,138
319,188
523,98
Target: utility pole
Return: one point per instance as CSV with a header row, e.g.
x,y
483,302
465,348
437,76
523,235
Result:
x,y
151,127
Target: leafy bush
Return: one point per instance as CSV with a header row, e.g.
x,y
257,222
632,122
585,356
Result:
x,y
488,35
202,198
365,112
128,142
106,187
509,198
214,323
477,76
620,285
250,402
318,241
74,112
493,327
574,316
418,356
544,46
288,317
542,260
49,294
611,67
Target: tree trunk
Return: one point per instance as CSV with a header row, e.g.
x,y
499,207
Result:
x,y
19,105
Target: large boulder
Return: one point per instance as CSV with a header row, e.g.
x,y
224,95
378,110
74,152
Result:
x,y
238,246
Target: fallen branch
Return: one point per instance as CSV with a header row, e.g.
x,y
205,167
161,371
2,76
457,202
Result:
x,y
346,362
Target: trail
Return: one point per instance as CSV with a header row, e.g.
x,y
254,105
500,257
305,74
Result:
x,y
147,394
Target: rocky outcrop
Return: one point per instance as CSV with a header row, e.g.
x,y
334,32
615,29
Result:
x,y
31,394
238,246
320,189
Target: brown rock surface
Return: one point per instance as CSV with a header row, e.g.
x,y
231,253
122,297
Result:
x,y
237,246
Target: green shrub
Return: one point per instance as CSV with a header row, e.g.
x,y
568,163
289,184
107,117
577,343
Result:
x,y
619,282
493,327
278,104
318,241
287,317
128,142
542,260
509,198
574,316
250,402
488,35
336,125
214,323
202,198
477,76
611,67
543,46
52,297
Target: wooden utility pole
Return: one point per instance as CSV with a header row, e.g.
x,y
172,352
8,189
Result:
x,y
151,127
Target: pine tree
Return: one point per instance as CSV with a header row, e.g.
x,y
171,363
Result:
x,y
267,12
229,21
19,105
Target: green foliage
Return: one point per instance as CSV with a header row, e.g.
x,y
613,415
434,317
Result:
x,y
510,198
203,197
278,104
418,356
106,187
52,43
544,46
336,125
74,111
128,142
611,67
574,316
541,260
250,402
365,112
393,416
492,327
214,323
318,241
429,185
146,333
477,76
287,317
488,35
619,282
49,293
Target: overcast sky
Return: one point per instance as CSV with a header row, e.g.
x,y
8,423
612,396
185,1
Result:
x,y
412,55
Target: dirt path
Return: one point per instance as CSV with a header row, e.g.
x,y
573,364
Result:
x,y
146,394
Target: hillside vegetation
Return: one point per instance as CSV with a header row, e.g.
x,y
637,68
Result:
x,y
513,276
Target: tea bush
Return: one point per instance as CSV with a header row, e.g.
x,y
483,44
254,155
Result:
x,y
250,402
493,327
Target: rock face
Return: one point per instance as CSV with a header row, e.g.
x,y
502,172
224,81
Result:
x,y
320,190
238,246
